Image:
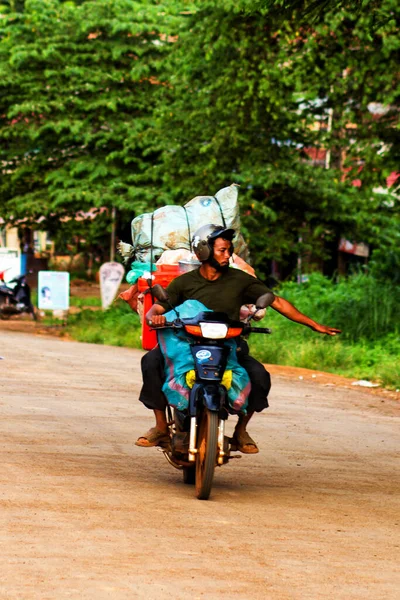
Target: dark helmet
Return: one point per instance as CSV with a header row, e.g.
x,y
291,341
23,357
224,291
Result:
x,y
203,240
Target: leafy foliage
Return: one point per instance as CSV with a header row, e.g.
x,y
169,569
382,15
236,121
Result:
x,y
134,104
360,306
366,311
249,98
304,10
77,87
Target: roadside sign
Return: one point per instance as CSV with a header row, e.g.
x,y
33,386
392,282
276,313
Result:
x,y
111,274
10,262
356,248
53,290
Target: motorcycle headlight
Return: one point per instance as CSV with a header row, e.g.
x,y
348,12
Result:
x,y
214,331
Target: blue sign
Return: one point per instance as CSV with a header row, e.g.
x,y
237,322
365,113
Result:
x,y
53,290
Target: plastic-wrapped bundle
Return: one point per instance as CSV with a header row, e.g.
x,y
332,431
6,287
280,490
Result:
x,y
139,269
172,227
179,362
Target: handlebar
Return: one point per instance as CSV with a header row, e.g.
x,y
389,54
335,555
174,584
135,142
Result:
x,y
171,324
259,330
167,325
179,325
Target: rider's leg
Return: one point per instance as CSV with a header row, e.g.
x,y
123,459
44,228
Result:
x,y
258,399
152,396
241,440
242,422
259,377
161,420
153,376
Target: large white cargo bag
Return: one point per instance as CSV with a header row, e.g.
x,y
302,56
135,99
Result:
x,y
172,227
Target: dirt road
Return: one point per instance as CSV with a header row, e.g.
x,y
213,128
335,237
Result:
x,y
85,514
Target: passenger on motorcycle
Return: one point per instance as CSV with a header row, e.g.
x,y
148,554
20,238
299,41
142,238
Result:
x,y
221,289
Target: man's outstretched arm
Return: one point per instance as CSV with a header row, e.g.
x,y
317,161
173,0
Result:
x,y
290,312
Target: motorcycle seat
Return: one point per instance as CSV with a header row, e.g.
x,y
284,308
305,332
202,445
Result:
x,y
5,290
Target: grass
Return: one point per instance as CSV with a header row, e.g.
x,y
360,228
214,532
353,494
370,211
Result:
x,y
297,346
78,301
369,347
118,326
360,306
87,301
367,314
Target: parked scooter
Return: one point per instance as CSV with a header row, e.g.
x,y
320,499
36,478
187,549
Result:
x,y
17,299
197,436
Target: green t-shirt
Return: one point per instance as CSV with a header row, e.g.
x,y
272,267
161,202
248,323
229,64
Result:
x,y
225,294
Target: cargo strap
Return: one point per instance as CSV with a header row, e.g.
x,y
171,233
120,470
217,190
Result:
x,y
150,282
188,226
220,210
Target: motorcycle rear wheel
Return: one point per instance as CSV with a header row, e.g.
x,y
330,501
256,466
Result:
x,y
206,456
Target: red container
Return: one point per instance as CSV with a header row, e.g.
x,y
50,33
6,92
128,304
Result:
x,y
164,275
168,271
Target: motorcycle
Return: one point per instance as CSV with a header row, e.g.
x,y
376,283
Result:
x,y
15,300
197,436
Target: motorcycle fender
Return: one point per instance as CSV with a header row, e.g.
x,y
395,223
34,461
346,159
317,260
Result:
x,y
212,397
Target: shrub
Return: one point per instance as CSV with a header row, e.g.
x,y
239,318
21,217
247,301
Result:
x,y
361,306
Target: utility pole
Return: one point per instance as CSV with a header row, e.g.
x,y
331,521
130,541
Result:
x,y
329,129
299,263
113,229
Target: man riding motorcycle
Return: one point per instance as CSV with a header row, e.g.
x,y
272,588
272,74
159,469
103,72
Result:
x,y
221,289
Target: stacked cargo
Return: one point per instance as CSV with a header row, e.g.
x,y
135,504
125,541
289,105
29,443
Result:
x,y
161,247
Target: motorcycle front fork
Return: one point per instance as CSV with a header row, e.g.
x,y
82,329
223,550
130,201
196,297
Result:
x,y
221,437
193,440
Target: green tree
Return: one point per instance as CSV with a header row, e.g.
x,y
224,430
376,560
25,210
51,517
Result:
x,y
77,88
231,115
249,97
101,104
356,56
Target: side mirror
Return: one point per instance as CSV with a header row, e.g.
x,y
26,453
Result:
x,y
159,292
265,300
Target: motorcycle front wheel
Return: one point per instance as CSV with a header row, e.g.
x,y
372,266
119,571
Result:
x,y
3,308
33,312
189,473
206,457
